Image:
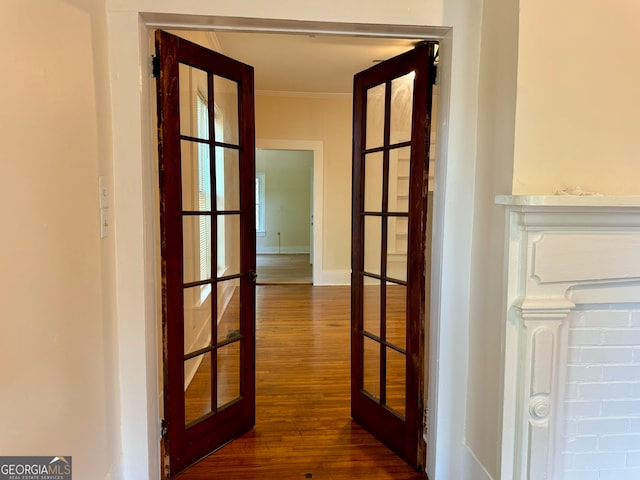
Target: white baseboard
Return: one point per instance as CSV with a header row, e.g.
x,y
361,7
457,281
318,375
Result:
x,y
471,468
332,277
116,472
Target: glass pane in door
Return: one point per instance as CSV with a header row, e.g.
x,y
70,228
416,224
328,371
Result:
x,y
396,381
228,245
397,248
396,315
398,180
228,310
196,176
227,179
196,248
371,306
197,387
372,244
371,367
194,98
228,373
226,111
373,182
197,318
375,116
401,108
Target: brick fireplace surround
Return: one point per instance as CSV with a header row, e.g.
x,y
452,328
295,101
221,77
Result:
x,y
572,338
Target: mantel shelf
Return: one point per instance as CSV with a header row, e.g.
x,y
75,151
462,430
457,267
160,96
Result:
x,y
569,201
563,251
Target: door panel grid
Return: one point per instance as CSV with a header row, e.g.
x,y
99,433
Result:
x,y
206,150
392,106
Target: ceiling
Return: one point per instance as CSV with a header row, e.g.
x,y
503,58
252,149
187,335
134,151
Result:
x,y
308,63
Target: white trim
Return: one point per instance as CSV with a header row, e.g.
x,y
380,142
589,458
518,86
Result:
x,y
443,393
472,469
333,277
135,223
292,249
115,472
561,251
324,95
317,147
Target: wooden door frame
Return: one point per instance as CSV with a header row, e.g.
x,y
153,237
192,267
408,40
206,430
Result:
x,y
137,278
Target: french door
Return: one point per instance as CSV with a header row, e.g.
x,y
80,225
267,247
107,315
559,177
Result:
x,y
206,140
391,130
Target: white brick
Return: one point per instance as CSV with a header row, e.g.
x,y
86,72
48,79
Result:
x,y
607,460
635,319
622,337
620,408
580,475
621,372
634,425
576,319
565,462
636,355
584,373
626,474
633,459
572,391
601,391
571,427
606,355
577,409
619,443
581,444
573,354
585,336
605,318
599,426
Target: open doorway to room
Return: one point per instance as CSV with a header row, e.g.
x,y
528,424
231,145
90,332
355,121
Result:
x,y
284,216
322,113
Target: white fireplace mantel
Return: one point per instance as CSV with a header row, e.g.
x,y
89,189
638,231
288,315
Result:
x,y
561,251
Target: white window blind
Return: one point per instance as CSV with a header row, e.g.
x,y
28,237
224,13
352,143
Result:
x,y
204,189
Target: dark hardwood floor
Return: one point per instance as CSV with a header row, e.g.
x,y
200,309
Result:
x,y
303,425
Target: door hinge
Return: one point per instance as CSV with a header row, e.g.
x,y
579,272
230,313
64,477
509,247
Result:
x,y
155,66
163,428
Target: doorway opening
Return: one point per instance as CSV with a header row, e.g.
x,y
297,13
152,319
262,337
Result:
x,y
319,243
284,216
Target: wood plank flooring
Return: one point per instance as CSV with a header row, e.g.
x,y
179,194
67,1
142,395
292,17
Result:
x,y
303,425
278,269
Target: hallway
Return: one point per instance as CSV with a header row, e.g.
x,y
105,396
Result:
x,y
303,425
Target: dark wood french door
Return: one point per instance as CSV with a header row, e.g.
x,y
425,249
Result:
x,y
391,130
206,140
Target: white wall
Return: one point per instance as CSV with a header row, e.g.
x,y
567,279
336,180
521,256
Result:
x,y
58,350
578,97
493,176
